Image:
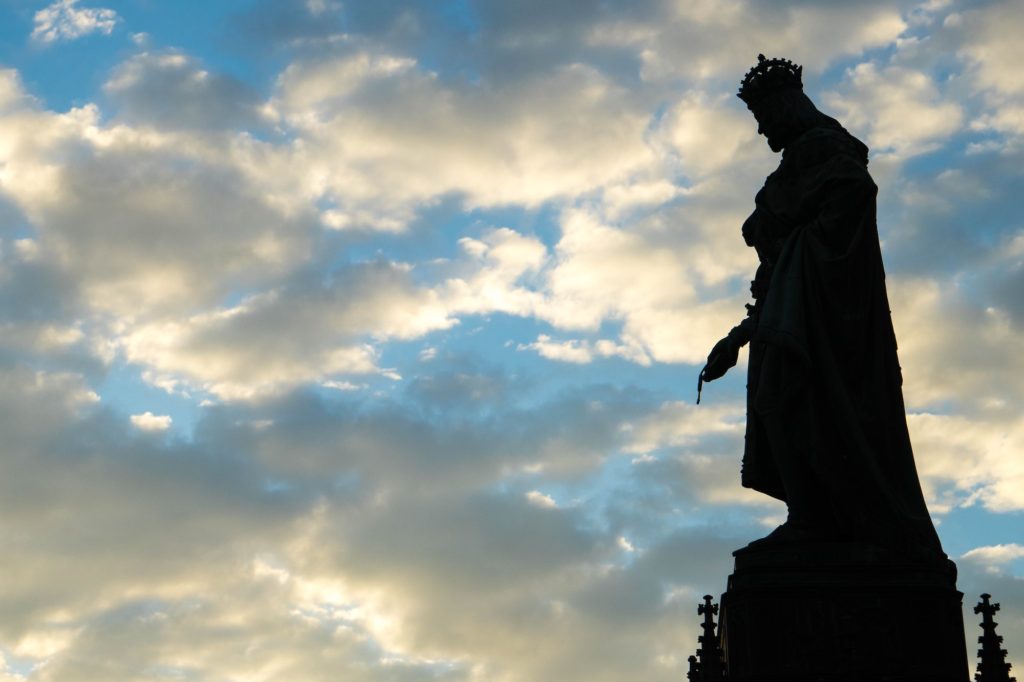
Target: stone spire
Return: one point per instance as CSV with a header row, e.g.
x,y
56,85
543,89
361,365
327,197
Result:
x,y
992,665
709,651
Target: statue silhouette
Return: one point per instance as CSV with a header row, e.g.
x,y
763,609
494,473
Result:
x,y
816,600
826,427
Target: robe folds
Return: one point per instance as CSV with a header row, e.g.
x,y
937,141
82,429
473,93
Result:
x,y
824,381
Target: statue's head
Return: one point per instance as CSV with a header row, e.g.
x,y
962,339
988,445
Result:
x,y
773,91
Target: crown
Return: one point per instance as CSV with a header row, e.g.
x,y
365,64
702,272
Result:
x,y
768,76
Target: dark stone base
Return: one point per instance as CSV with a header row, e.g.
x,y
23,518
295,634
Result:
x,y
831,612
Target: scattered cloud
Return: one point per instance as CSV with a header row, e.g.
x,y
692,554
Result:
x,y
330,265
64,20
901,110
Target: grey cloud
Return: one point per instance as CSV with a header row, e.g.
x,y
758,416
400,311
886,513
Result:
x,y
129,512
144,228
279,22
173,91
392,538
34,291
398,447
243,630
164,534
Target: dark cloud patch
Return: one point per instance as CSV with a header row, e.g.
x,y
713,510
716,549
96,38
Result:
x,y
130,511
464,387
34,290
173,91
1007,290
279,22
413,448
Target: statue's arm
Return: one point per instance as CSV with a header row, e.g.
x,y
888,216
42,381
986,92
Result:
x,y
726,352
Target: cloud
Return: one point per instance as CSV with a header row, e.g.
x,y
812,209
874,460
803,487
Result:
x,y
376,550
989,47
954,351
584,352
709,135
382,133
172,91
338,262
902,111
539,499
143,220
305,332
147,421
62,20
964,461
607,273
995,555
702,41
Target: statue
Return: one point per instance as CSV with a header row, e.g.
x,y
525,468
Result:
x,y
826,425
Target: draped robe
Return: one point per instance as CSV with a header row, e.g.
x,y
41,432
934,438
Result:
x,y
824,381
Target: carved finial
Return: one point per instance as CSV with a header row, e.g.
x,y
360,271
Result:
x,y
712,664
693,674
768,76
992,665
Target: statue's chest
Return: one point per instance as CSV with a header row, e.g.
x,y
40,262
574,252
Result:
x,y
785,196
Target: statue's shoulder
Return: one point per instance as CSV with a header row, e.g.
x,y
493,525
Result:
x,y
823,144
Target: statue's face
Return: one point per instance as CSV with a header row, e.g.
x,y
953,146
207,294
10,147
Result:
x,y
772,123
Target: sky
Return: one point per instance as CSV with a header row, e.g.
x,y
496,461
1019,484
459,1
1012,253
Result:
x,y
358,340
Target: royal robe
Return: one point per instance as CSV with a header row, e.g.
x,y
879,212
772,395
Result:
x,y
824,380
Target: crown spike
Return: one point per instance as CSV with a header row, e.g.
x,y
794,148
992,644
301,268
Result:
x,y
768,76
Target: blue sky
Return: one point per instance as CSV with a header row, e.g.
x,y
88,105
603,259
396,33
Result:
x,y
359,339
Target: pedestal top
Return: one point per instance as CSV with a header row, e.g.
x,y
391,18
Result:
x,y
824,562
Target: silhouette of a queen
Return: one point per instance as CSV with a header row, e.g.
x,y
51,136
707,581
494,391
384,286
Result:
x,y
826,424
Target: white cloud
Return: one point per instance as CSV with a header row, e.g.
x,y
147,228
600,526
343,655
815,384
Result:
x,y
901,110
565,351
939,328
607,273
147,421
539,499
100,210
63,20
381,133
680,423
703,41
963,461
709,135
992,49
583,352
342,385
995,555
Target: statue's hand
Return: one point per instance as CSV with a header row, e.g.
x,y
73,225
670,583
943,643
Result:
x,y
721,358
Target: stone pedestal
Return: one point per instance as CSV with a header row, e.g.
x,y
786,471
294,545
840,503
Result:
x,y
841,612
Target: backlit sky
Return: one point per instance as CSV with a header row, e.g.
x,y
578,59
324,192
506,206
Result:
x,y
358,340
